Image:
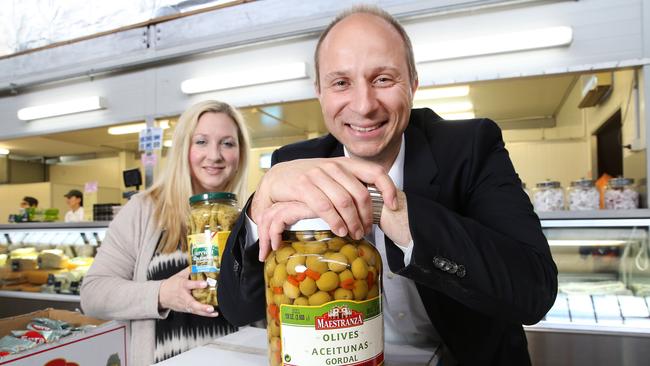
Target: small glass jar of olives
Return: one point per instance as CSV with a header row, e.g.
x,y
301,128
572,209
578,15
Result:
x,y
323,299
212,217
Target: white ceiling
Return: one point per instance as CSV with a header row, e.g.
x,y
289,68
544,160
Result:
x,y
504,100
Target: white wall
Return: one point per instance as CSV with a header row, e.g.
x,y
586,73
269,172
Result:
x,y
607,33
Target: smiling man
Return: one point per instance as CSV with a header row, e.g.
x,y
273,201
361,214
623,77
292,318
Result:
x,y
468,263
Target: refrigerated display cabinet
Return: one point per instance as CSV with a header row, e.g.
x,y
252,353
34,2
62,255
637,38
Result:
x,y
602,312
42,264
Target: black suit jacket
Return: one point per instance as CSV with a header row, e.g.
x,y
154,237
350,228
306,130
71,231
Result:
x,y
480,261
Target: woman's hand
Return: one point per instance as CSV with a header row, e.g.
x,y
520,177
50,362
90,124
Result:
x,y
176,294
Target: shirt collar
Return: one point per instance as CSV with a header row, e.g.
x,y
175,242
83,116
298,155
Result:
x,y
396,172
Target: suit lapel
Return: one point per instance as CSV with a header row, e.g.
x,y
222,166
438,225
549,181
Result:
x,y
420,168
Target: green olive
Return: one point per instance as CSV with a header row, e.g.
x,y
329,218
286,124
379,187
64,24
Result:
x,y
308,286
373,292
275,329
328,281
359,268
350,252
337,262
360,290
279,276
343,294
280,299
319,298
290,290
269,267
293,262
315,247
367,253
283,254
299,246
336,243
347,274
302,301
316,263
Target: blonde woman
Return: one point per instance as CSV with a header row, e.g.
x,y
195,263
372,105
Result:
x,y
140,272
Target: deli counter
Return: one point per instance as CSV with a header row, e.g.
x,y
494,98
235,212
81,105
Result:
x,y
601,315
602,312
43,264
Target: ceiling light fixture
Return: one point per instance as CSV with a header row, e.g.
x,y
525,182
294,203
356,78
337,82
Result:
x,y
450,107
245,77
457,115
495,44
134,128
441,93
4,151
62,108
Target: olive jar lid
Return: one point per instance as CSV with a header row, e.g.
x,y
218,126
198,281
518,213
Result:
x,y
310,225
548,184
583,182
620,182
211,196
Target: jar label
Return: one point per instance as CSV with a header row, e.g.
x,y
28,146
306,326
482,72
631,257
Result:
x,y
340,332
206,249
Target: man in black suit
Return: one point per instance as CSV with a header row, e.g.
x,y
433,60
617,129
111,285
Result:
x,y
468,258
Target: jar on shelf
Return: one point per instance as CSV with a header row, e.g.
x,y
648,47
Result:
x,y
548,196
582,195
212,217
621,194
323,296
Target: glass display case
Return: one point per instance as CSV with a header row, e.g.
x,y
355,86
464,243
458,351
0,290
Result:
x,y
43,264
603,300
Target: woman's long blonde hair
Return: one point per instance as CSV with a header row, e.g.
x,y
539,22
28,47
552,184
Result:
x,y
171,191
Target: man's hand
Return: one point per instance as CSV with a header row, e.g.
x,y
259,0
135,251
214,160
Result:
x,y
395,223
333,189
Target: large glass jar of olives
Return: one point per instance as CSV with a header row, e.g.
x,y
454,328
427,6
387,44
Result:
x,y
323,299
212,216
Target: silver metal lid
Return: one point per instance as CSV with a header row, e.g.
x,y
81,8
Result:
x,y
310,225
620,182
548,184
583,182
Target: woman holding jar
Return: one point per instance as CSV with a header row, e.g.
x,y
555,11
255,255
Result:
x,y
140,273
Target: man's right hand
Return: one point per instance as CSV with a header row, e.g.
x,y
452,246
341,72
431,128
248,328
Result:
x,y
331,188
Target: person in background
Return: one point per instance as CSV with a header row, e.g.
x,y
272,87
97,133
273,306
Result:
x,y
75,201
467,261
141,270
29,202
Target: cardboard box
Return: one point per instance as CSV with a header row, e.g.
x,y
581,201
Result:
x,y
104,345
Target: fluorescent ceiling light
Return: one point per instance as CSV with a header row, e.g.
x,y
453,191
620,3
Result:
x,y
585,243
495,44
451,107
62,108
440,93
4,151
245,77
135,128
458,115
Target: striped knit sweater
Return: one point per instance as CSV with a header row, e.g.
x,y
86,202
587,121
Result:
x,y
180,331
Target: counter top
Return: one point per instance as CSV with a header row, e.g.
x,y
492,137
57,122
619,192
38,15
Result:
x,y
40,296
247,347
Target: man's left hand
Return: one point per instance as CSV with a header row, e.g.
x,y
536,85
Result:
x,y
395,223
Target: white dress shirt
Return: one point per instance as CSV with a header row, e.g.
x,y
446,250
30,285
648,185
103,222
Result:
x,y
405,318
75,216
